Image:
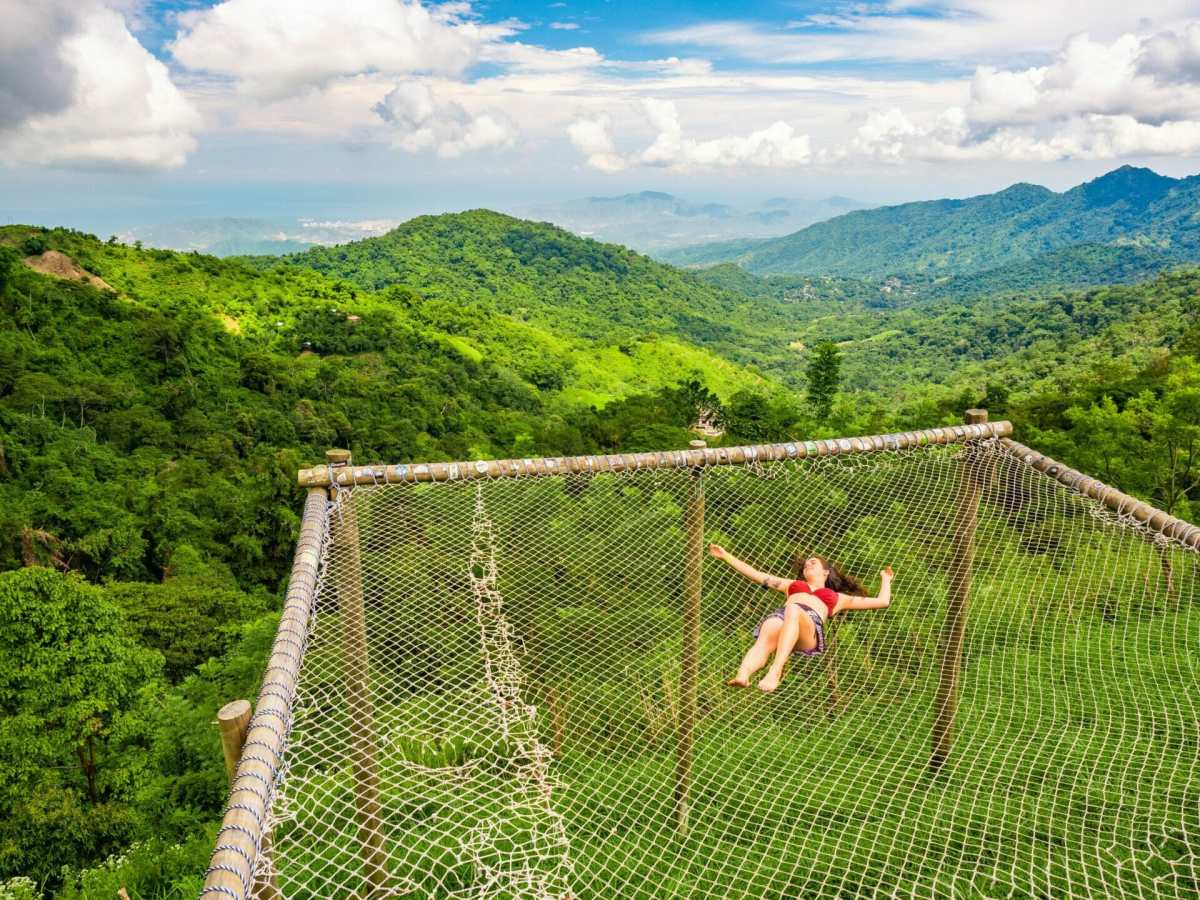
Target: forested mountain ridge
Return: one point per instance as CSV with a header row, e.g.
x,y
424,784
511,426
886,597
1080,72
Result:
x,y
1128,206
563,283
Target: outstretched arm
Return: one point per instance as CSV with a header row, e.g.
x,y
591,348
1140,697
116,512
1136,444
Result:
x,y
767,581
883,600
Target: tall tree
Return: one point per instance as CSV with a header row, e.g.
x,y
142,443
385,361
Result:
x,y
824,375
68,672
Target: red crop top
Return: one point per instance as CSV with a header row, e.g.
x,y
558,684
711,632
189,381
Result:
x,y
826,595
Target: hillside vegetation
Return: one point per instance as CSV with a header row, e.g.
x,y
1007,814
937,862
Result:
x,y
150,434
562,283
896,341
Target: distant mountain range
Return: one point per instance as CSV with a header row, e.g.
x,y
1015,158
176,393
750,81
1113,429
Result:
x,y
235,236
654,222
1123,225
650,222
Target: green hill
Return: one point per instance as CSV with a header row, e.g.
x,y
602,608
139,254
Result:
x,y
897,334
1127,207
1011,338
562,283
194,370
1076,267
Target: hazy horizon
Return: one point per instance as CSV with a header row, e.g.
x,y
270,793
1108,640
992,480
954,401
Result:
x,y
152,205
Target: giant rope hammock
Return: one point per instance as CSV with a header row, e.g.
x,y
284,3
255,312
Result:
x,y
506,679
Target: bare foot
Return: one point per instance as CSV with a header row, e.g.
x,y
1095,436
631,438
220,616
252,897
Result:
x,y
738,681
769,682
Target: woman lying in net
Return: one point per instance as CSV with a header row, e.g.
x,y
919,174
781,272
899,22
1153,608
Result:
x,y
799,625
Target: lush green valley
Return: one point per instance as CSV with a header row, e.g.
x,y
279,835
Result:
x,y
893,342
150,432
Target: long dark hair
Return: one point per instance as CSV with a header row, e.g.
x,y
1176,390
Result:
x,y
837,579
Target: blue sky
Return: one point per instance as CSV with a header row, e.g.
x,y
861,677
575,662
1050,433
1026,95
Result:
x,y
121,112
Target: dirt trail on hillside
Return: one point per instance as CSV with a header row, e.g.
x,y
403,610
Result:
x,y
62,266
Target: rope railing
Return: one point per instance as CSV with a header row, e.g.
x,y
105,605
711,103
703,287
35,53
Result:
x,y
407,473
1154,519
238,856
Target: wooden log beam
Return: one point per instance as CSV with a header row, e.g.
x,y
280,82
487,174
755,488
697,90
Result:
x,y
240,838
346,476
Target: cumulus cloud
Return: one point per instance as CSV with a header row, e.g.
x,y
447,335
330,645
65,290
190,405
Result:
x,y
100,99
592,138
34,78
1096,100
275,48
532,58
424,122
776,146
1173,57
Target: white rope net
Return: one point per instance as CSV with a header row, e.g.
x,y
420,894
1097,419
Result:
x,y
507,722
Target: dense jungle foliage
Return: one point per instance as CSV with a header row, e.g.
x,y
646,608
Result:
x,y
150,434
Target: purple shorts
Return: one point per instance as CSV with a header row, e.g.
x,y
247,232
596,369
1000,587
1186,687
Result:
x,y
817,623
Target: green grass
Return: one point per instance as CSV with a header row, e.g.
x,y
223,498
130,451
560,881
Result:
x,y
605,373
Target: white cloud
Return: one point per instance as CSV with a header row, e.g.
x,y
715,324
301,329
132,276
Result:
x,y
591,137
1094,101
564,26
34,77
776,146
424,122
960,30
1086,77
100,99
672,65
532,58
1173,57
276,48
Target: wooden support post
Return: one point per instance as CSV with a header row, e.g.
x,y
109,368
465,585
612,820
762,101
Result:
x,y
689,674
356,674
233,721
954,627
831,673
